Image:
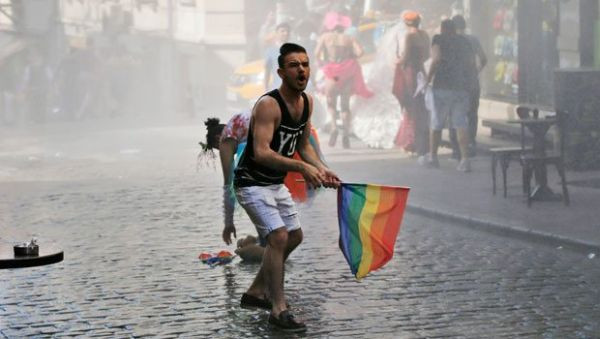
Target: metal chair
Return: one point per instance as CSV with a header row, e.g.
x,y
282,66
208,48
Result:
x,y
504,155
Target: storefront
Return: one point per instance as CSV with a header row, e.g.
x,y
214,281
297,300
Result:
x,y
544,52
496,25
526,41
577,92
520,39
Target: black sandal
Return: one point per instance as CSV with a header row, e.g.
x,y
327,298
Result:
x,y
250,301
286,322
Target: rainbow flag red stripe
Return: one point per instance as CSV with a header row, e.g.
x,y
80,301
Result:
x,y
369,218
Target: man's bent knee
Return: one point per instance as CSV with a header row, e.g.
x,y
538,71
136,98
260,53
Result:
x,y
278,238
295,238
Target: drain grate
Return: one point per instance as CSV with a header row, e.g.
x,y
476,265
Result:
x,y
589,183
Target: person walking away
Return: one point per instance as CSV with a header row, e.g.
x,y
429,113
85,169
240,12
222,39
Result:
x,y
474,90
452,60
279,126
271,79
413,134
343,73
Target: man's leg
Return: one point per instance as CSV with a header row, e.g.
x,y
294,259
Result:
x,y
332,110
460,120
454,144
438,121
346,118
258,288
434,142
294,239
279,244
463,142
272,267
473,120
421,127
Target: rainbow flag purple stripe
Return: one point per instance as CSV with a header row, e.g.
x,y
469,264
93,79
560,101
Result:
x,y
369,218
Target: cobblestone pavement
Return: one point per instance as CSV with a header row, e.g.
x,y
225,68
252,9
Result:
x,y
130,269
131,243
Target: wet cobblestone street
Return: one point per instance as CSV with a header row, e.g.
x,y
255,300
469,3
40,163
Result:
x,y
131,269
131,244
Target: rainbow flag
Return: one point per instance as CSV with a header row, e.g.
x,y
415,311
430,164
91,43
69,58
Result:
x,y
369,217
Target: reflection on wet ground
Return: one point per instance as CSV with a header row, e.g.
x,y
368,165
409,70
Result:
x,y
131,269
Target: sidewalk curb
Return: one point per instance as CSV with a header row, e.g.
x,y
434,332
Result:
x,y
508,231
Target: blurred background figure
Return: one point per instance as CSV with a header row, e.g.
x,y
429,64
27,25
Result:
x,y
338,53
282,35
474,89
35,86
413,133
452,61
267,31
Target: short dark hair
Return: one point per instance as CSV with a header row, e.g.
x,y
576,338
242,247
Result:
x,y
288,48
447,27
459,22
284,25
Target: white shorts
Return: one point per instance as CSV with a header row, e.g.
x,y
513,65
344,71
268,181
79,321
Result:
x,y
269,208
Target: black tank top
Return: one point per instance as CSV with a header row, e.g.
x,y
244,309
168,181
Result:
x,y
285,142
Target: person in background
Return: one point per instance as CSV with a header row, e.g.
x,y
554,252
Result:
x,y
452,61
474,89
282,35
409,64
266,32
35,86
343,74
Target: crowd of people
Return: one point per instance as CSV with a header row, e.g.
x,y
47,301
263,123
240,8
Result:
x,y
435,79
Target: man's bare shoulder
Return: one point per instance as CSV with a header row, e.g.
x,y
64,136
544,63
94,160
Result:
x,y
310,101
309,96
266,108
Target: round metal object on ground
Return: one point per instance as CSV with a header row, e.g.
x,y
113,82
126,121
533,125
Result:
x,y
49,254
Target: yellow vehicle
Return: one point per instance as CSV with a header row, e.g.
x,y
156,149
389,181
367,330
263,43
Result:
x,y
246,85
247,81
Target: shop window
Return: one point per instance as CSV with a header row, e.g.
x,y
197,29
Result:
x,y
503,67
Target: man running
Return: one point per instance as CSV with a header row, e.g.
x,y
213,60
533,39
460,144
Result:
x,y
279,126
